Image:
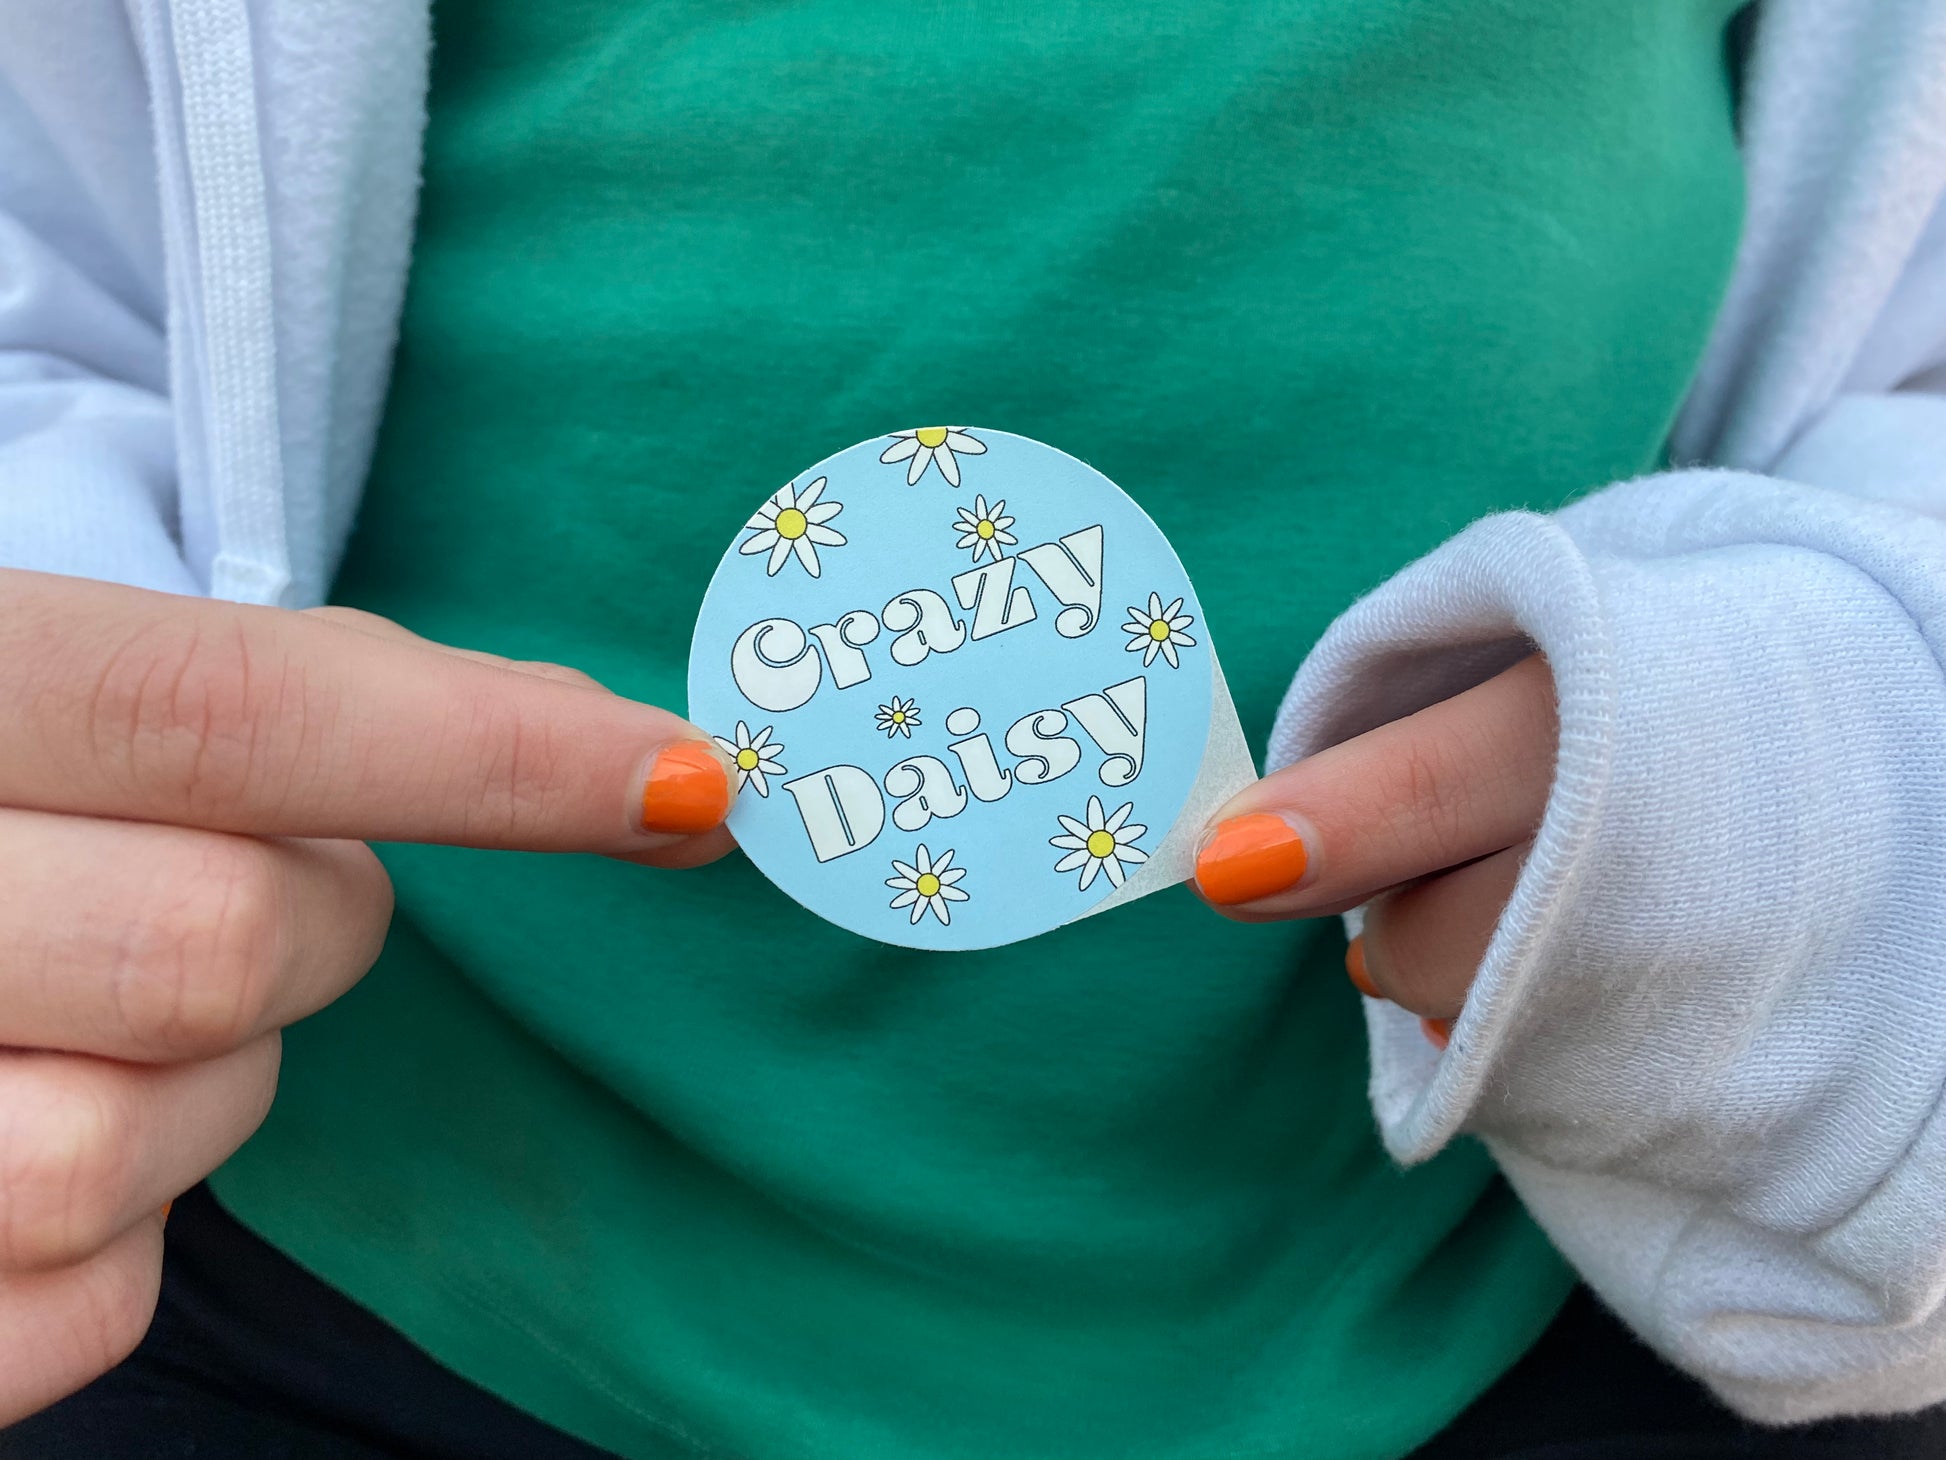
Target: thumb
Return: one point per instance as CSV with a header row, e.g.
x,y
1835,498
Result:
x,y
236,718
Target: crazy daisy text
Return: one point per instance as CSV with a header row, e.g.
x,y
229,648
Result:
x,y
778,664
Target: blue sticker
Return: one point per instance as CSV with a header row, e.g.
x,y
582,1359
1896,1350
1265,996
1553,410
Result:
x,y
966,683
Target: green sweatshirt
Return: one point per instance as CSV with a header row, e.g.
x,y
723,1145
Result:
x,y
1318,282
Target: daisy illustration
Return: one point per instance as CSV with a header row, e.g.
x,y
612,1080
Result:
x,y
1158,631
793,522
899,717
1103,844
927,886
756,757
930,444
984,529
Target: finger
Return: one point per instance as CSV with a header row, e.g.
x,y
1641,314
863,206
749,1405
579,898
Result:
x,y
137,941
90,1147
690,851
61,1329
1423,943
385,628
1458,780
672,854
152,707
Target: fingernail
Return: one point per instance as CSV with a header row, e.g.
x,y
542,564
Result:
x,y
1438,1031
166,1208
687,791
1248,857
1355,970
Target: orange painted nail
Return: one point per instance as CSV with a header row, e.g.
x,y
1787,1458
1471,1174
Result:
x,y
687,791
1250,857
1439,1031
166,1206
1355,970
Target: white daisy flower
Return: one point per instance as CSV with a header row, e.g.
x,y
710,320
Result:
x,y
1158,631
755,757
899,717
984,529
794,523
927,884
930,444
1102,844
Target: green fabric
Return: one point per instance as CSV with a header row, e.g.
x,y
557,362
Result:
x,y
589,1133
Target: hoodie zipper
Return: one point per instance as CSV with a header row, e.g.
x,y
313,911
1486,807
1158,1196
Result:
x,y
223,357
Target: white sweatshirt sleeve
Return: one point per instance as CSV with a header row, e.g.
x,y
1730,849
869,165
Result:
x,y
1707,1043
87,443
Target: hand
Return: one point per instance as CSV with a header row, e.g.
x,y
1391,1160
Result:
x,y
185,789
1427,820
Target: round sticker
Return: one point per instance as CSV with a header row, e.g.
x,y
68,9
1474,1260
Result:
x,y
966,684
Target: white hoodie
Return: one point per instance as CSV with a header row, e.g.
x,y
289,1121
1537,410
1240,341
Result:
x,y
1708,1042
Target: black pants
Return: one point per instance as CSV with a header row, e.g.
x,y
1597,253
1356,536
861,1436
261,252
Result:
x,y
251,1358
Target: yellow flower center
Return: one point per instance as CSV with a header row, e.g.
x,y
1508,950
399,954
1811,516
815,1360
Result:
x,y
985,529
1159,629
791,523
928,885
747,759
898,717
931,436
1100,843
